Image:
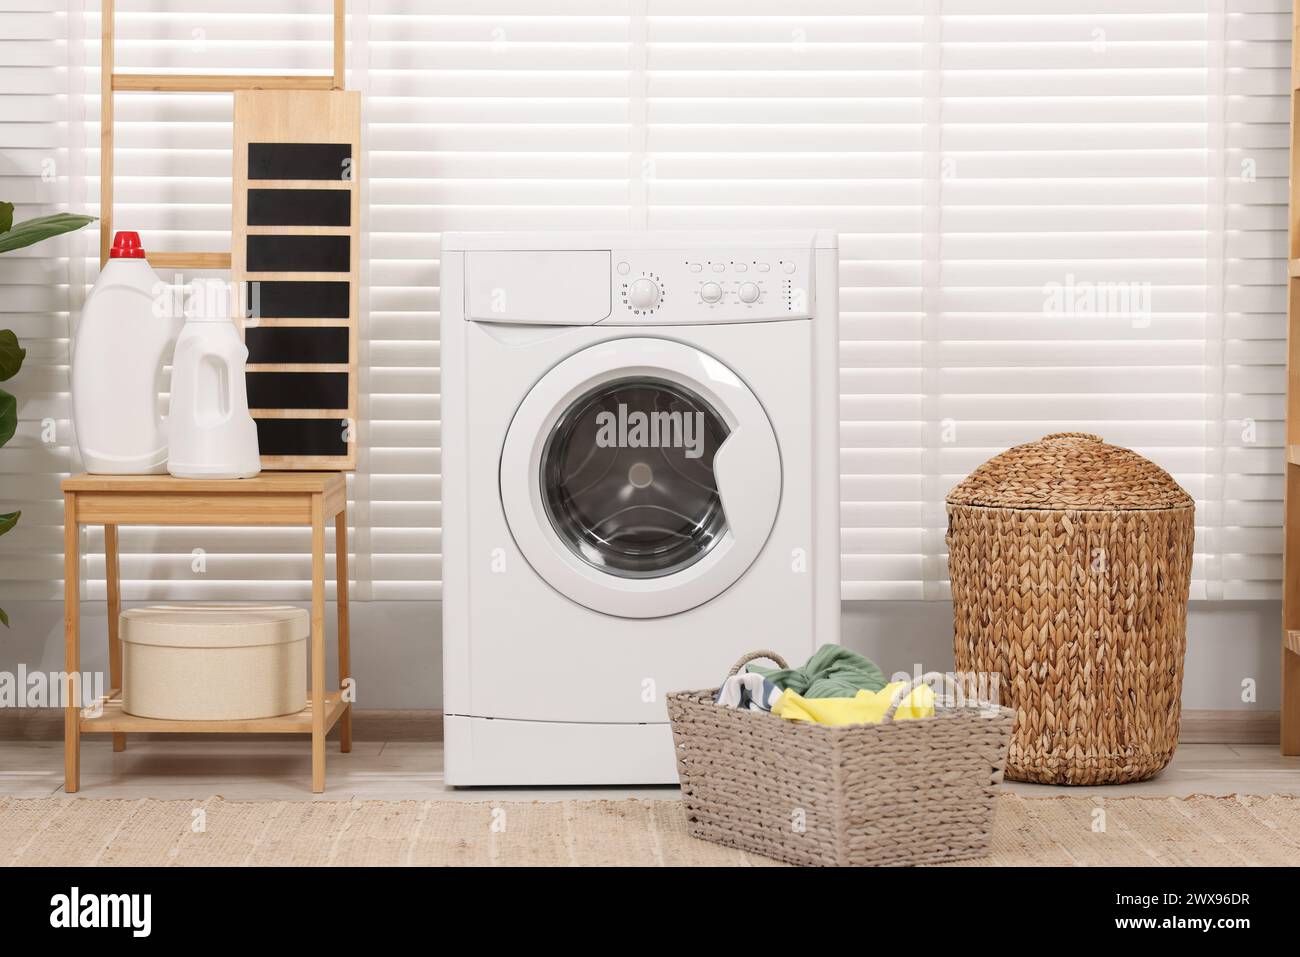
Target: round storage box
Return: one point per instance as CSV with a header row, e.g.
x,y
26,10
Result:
x,y
1070,562
207,662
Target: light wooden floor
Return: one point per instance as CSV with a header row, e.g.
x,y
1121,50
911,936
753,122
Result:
x,y
403,770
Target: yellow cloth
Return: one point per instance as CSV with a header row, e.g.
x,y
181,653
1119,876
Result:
x,y
866,707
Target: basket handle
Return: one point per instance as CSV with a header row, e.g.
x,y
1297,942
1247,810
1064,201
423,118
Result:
x,y
753,656
928,678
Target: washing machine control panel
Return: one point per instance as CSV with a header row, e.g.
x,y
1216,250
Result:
x,y
706,286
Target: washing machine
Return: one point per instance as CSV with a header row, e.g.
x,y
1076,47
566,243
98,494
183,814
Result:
x,y
640,456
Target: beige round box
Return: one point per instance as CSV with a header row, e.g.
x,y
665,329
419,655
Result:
x,y
213,662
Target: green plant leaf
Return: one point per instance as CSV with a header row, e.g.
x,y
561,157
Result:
x,y
7,521
8,416
6,217
11,354
42,227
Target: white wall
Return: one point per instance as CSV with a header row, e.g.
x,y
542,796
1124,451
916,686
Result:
x,y
397,646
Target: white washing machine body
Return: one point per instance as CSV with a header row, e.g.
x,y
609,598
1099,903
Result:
x,y
640,484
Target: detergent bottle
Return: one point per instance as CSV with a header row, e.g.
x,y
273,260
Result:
x,y
122,343
212,434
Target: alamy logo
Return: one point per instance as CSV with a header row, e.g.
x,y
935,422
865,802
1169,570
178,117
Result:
x,y
52,689
75,909
651,430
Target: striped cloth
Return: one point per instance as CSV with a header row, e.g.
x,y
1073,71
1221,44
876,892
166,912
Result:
x,y
748,692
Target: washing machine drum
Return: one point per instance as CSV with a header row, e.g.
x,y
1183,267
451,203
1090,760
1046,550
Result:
x,y
640,477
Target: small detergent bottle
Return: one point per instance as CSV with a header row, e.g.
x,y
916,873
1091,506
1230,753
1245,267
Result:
x,y
212,434
123,341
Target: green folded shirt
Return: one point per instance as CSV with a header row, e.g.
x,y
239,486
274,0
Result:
x,y
832,672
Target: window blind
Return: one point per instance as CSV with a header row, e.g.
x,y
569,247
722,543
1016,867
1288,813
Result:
x,y
39,98
1248,265
1053,215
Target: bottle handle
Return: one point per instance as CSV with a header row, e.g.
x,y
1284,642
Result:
x,y
168,352
228,398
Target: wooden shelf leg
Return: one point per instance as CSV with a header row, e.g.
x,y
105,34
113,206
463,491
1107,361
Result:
x,y
1290,702
71,646
113,575
317,643
341,597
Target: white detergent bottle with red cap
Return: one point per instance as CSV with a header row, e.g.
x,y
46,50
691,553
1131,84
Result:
x,y
125,338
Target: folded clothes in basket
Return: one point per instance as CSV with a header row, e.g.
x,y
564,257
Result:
x,y
832,672
866,707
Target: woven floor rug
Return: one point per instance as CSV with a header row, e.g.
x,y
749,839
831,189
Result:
x,y
1035,831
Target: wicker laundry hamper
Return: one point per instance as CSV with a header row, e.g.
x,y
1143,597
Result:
x,y
1070,562
906,792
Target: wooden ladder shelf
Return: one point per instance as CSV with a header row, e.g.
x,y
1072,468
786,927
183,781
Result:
x,y
112,82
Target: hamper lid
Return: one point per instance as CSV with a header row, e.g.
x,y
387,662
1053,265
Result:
x,y
214,625
1070,470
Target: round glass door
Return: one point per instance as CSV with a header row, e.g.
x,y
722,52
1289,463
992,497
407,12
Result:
x,y
640,477
627,478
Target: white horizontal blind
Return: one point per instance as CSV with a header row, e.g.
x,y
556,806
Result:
x,y
480,115
38,73
1077,226
1045,218
1054,214
1256,113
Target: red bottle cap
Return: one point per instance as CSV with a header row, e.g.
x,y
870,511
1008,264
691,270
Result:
x,y
126,245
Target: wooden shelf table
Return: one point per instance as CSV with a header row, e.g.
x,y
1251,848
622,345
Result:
x,y
271,499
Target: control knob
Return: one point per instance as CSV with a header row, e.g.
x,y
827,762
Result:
x,y
711,292
749,292
643,294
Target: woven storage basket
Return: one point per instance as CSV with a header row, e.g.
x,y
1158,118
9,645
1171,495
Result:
x,y
1070,562
906,792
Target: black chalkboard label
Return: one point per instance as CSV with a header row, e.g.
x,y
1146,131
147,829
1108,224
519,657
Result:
x,y
299,161
301,436
297,390
297,343
298,253
299,207
286,299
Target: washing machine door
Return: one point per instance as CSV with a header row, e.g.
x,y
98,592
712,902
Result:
x,y
640,477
